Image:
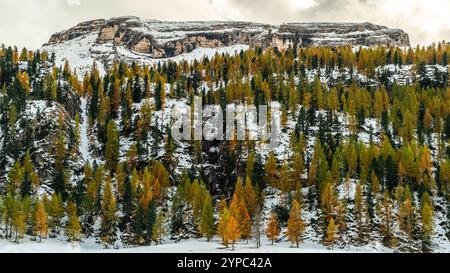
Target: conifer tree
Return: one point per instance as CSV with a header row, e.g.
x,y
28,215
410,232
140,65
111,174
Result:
x,y
19,220
150,220
332,230
159,229
108,216
207,221
9,210
271,170
427,212
284,182
41,227
15,178
222,226
160,94
56,212
73,227
273,230
177,211
112,146
296,226
444,176
386,214
407,214
297,164
375,183
245,225
358,210
232,233
59,184
221,205
250,164
137,92
30,178
249,196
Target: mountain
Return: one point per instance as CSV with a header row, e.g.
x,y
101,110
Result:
x,y
364,138
147,41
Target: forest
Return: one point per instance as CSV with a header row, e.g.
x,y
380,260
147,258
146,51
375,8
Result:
x,y
366,157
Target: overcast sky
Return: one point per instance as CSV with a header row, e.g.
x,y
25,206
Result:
x,y
31,22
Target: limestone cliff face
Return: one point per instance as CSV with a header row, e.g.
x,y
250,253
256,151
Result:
x,y
159,39
337,34
77,31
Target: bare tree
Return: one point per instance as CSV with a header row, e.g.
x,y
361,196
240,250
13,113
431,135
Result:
x,y
257,226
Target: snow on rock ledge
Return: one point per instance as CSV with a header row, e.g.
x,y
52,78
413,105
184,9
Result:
x,y
134,39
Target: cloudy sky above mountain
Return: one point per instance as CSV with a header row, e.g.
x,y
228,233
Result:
x,y
31,22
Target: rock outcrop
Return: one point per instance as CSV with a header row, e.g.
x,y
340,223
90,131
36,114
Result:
x,y
134,39
168,39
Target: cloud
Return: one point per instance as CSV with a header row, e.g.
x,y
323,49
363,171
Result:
x,y
425,21
31,22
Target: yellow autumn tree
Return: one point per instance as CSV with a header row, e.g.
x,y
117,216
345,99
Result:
x,y
232,232
73,227
222,225
24,80
41,221
332,231
271,170
296,226
273,230
249,196
245,223
427,213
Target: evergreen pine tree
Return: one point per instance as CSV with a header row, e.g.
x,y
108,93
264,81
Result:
x,y
56,212
108,215
159,230
150,219
207,220
112,146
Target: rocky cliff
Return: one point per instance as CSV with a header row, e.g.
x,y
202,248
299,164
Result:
x,y
132,38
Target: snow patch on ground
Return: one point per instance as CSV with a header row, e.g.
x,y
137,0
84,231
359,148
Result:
x,y
84,139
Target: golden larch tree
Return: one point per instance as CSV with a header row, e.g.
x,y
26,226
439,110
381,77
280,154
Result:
x,y
296,226
273,230
232,232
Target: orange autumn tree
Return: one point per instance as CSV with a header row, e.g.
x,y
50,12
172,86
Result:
x,y
245,224
232,232
222,225
273,230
